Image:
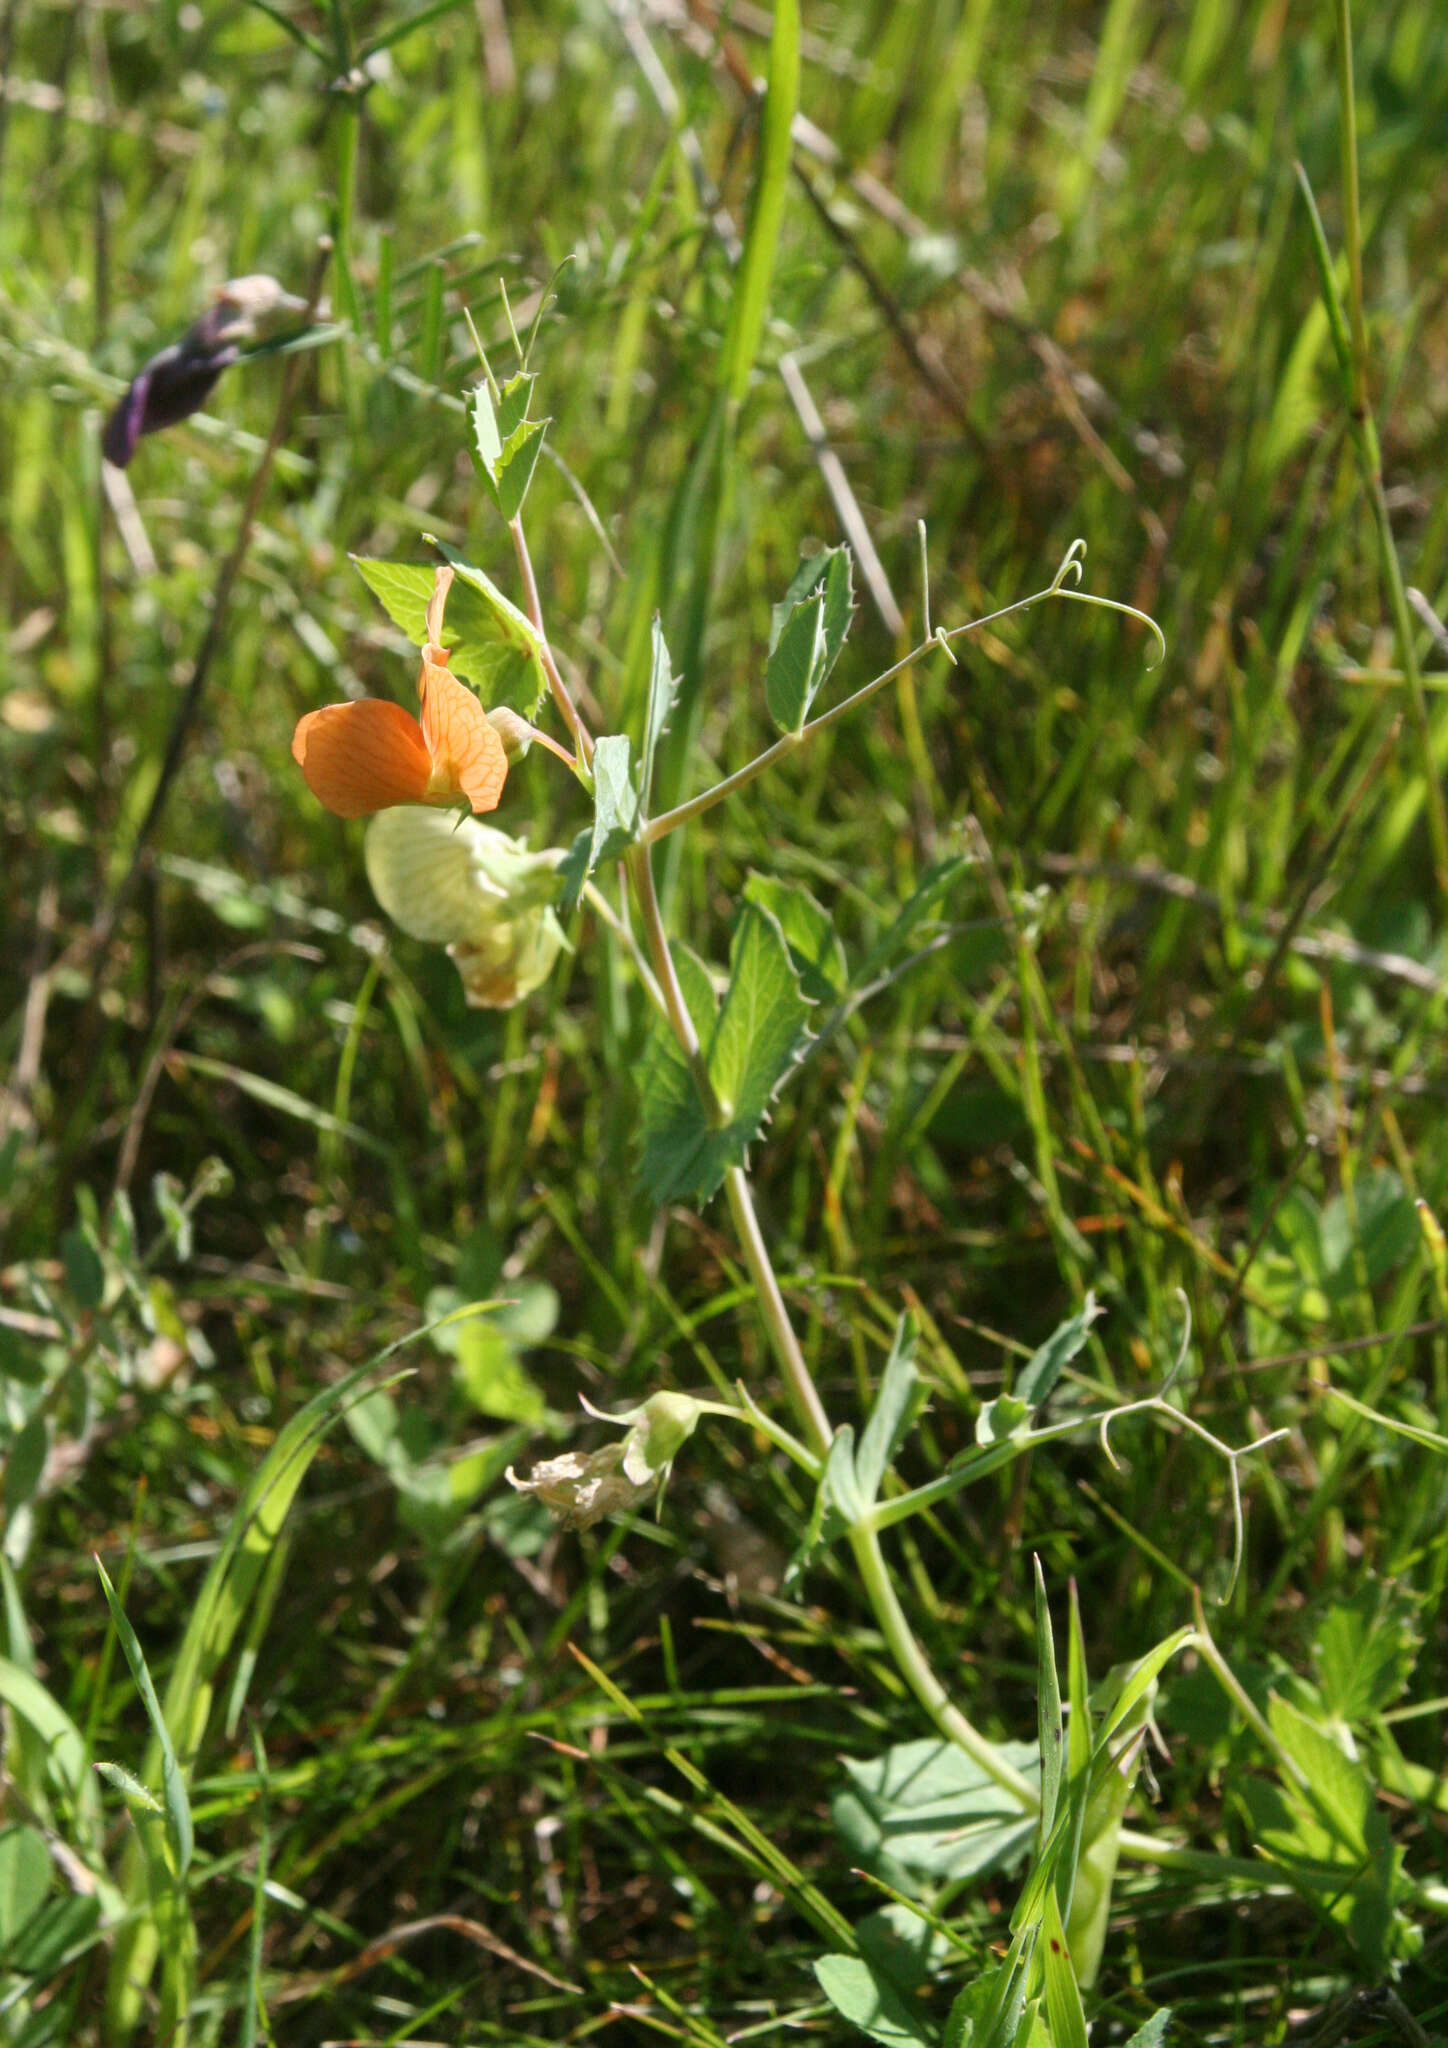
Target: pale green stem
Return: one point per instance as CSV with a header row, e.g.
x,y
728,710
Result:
x,y
803,1393
915,1668
641,873
558,689
804,1396
670,821
601,906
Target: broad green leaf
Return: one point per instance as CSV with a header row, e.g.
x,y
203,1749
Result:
x,y
670,1119
25,1879
663,690
505,444
1365,1652
808,932
173,1783
927,1809
490,643
1342,1792
750,303
494,1378
869,2001
807,631
1387,1230
1063,1995
761,1026
894,1410
903,1946
793,671
513,673
1037,1378
747,1052
1359,1895
20,1359
1153,2034
1331,1838
828,575
615,819
487,1340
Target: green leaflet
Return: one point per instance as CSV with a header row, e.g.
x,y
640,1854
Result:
x,y
615,820
505,443
490,643
748,1046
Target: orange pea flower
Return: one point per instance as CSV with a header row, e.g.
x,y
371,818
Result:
x,y
367,756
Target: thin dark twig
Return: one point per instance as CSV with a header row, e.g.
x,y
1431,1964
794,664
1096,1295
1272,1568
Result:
x,y
1340,1347
929,372
190,705
1312,945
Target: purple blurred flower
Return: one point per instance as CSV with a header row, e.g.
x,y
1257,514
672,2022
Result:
x,y
179,380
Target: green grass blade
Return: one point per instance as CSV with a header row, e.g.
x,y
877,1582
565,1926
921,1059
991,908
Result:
x,y
235,1573
766,215
179,1831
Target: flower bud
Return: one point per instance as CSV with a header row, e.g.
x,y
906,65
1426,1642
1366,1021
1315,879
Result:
x,y
513,730
179,380
583,1490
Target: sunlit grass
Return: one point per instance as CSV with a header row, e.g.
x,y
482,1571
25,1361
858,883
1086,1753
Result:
x,y
1203,1056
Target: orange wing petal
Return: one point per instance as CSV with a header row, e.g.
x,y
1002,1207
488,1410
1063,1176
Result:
x,y
362,757
468,758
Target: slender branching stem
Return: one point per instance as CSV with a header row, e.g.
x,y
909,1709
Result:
x,y
803,1393
600,905
804,1396
1059,586
916,1669
641,874
558,689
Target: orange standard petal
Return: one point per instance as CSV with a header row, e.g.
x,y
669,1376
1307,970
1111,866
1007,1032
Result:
x,y
363,757
468,757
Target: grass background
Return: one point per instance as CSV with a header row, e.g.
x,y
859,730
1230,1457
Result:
x,y
1080,300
